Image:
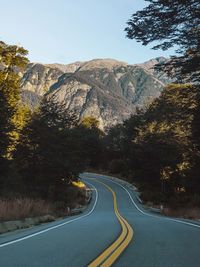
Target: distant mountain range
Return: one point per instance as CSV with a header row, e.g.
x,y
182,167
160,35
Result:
x,y
107,89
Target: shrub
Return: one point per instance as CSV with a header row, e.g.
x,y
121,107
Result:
x,y
117,166
153,196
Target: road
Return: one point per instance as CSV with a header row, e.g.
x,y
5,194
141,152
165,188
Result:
x,y
114,230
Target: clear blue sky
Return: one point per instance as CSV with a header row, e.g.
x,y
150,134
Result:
x,y
64,31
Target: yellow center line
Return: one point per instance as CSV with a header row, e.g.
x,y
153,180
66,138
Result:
x,y
109,255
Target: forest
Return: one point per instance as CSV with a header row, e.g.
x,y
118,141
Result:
x,y
43,151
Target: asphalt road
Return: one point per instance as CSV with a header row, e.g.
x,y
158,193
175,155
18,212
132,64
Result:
x,y
79,240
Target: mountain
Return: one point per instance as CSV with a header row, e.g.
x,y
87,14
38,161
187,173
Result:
x,y
108,89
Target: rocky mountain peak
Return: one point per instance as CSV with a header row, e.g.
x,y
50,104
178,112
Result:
x,y
102,64
108,89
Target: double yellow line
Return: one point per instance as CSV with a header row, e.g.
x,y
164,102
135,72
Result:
x,y
109,255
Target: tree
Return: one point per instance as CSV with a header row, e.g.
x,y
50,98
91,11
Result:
x,y
91,140
167,134
171,23
90,122
196,124
48,155
21,117
195,138
12,58
156,148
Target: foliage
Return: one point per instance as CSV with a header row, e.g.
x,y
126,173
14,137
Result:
x,y
42,151
156,147
90,122
91,138
117,166
195,140
171,23
49,149
21,117
12,58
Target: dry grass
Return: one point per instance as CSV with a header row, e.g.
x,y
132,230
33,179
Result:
x,y
23,208
187,213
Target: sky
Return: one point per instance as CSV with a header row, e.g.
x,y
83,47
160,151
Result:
x,y
65,31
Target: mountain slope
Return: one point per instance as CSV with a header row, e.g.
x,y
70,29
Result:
x,y
105,88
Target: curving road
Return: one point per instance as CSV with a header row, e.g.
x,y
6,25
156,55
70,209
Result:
x,y
114,230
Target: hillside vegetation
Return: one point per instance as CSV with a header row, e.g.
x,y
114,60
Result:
x,y
108,89
42,151
158,149
46,144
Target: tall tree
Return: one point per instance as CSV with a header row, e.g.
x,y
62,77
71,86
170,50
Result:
x,y
171,23
12,59
91,138
195,138
48,155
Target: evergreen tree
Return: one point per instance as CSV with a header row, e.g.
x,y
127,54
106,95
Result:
x,y
12,59
171,23
195,139
48,156
158,147
91,138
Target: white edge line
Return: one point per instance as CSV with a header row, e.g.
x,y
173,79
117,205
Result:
x,y
56,226
150,215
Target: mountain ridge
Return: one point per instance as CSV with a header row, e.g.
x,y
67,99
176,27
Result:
x,y
108,89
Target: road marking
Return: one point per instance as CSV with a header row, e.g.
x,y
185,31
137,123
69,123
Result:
x,y
151,215
109,255
56,226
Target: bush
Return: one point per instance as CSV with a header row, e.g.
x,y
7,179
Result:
x,y
153,196
117,166
184,200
